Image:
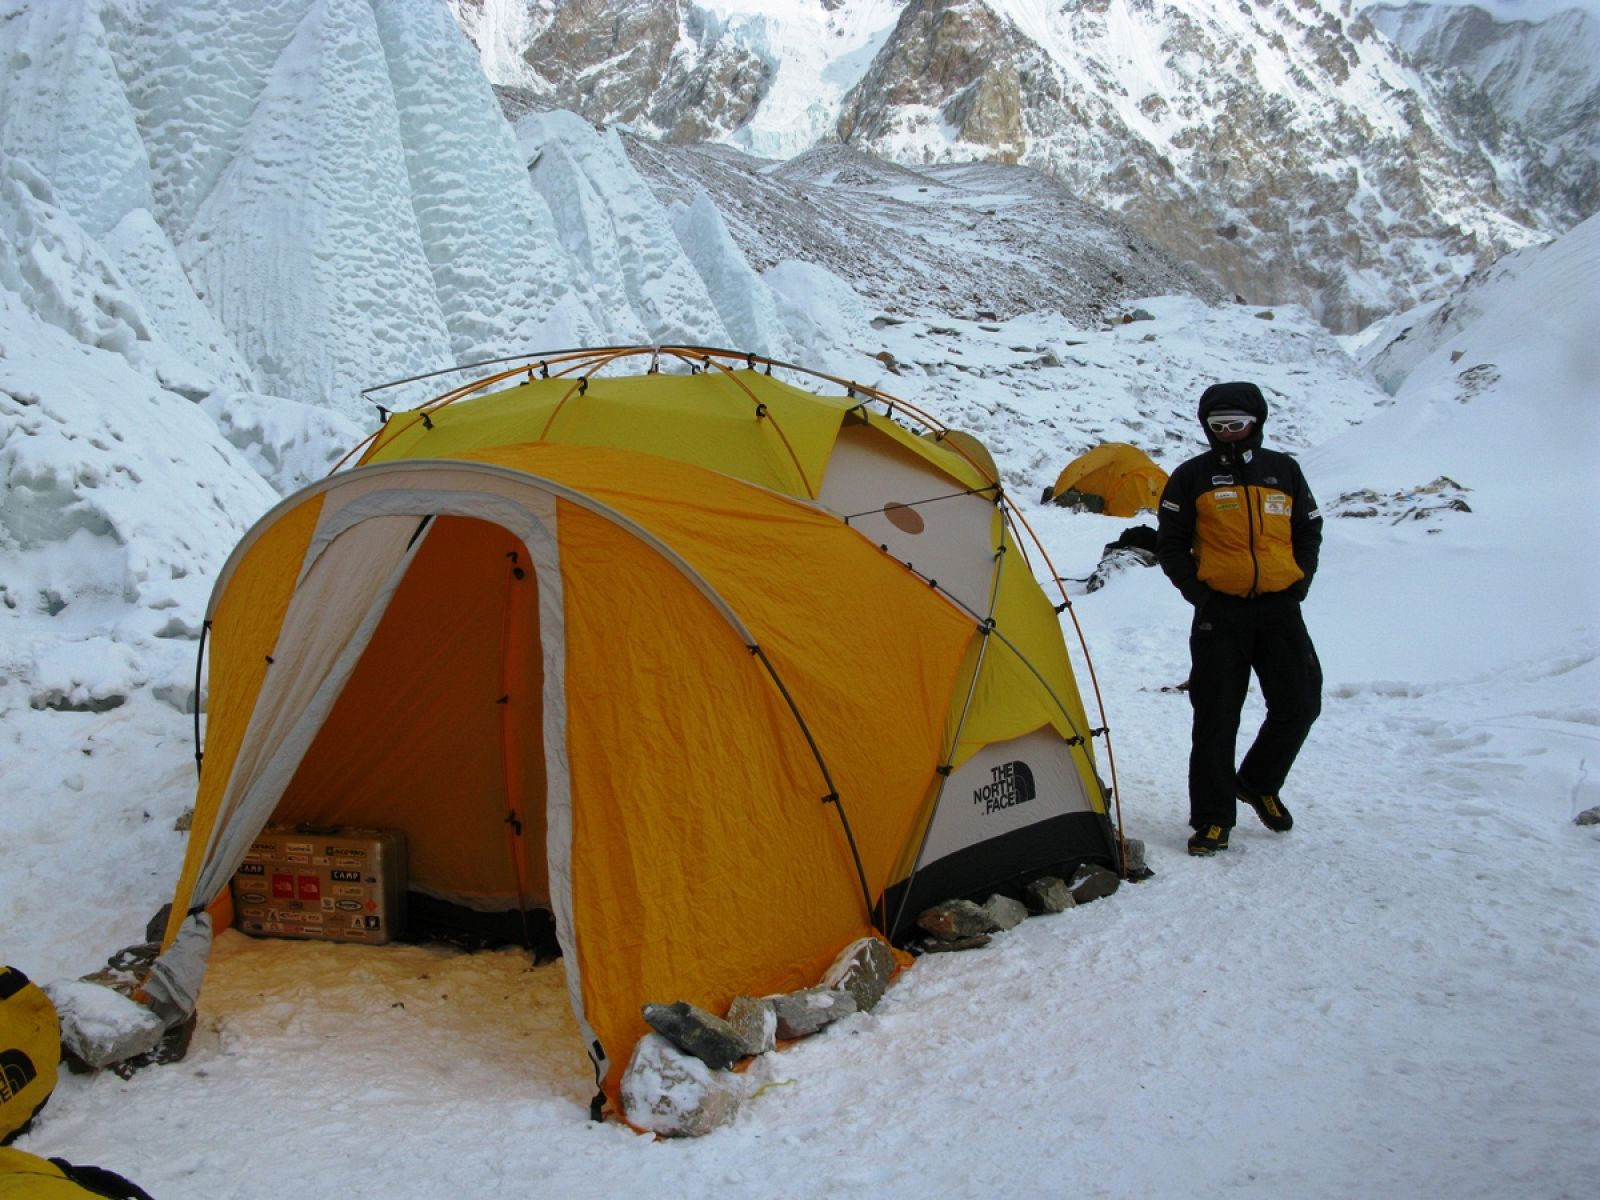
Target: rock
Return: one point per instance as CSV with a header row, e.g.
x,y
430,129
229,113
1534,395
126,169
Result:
x,y
674,1094
1140,314
956,919
1005,912
1133,854
800,1014
1048,895
700,1033
1266,315
1092,882
863,969
936,946
1589,816
755,1021
1134,867
100,1026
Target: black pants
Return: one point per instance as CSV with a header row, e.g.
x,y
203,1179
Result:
x,y
1230,638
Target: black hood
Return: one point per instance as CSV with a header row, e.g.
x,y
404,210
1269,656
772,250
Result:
x,y
1246,397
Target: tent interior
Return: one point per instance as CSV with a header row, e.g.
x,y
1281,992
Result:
x,y
420,740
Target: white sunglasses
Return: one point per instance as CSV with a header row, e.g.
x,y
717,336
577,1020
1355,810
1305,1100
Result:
x,y
1229,424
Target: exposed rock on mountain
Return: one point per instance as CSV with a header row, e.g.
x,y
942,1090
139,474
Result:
x,y
1292,150
1531,91
955,64
982,241
663,64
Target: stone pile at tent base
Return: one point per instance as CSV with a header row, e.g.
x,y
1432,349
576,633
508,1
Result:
x,y
682,1081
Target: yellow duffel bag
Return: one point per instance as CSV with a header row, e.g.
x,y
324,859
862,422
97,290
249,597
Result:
x,y
30,1050
25,1176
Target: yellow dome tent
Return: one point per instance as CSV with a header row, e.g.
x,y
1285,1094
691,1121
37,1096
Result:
x,y
1124,477
721,673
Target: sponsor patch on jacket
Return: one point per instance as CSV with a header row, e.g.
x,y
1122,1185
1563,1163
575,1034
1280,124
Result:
x,y
1222,481
1171,505
1275,504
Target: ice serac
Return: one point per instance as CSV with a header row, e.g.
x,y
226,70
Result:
x,y
616,234
491,242
63,111
65,278
149,262
743,301
308,250
194,70
121,502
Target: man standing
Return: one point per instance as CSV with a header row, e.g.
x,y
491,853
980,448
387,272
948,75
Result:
x,y
1238,535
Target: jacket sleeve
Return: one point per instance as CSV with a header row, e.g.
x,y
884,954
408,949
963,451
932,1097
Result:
x,y
1175,536
1305,530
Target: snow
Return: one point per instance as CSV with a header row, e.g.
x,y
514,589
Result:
x,y
1400,997
615,234
490,240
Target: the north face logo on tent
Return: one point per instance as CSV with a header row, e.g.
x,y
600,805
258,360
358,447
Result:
x,y
1010,784
16,1072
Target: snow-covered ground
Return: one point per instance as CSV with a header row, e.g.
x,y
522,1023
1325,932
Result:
x,y
1400,997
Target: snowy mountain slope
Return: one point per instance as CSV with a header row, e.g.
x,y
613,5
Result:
x,y
1290,150
1039,247
1395,347
1541,78
1517,453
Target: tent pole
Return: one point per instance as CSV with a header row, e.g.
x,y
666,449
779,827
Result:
x,y
985,627
199,667
874,911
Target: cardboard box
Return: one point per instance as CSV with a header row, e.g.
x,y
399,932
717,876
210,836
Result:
x,y
329,883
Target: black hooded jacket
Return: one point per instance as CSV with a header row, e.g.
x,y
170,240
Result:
x,y
1238,519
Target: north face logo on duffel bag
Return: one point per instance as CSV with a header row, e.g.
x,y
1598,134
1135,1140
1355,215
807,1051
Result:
x,y
16,1072
1010,784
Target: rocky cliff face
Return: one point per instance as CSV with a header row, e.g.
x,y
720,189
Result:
x,y
1296,150
1528,92
660,64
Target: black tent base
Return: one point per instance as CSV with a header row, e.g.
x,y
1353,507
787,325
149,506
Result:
x,y
1004,864
429,919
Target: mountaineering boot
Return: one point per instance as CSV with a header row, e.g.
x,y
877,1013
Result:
x,y
1207,840
1268,807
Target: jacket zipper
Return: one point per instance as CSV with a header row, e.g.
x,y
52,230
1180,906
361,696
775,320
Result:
x,y
1250,500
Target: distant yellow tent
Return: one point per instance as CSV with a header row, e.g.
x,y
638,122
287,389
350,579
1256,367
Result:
x,y
721,673
1124,477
